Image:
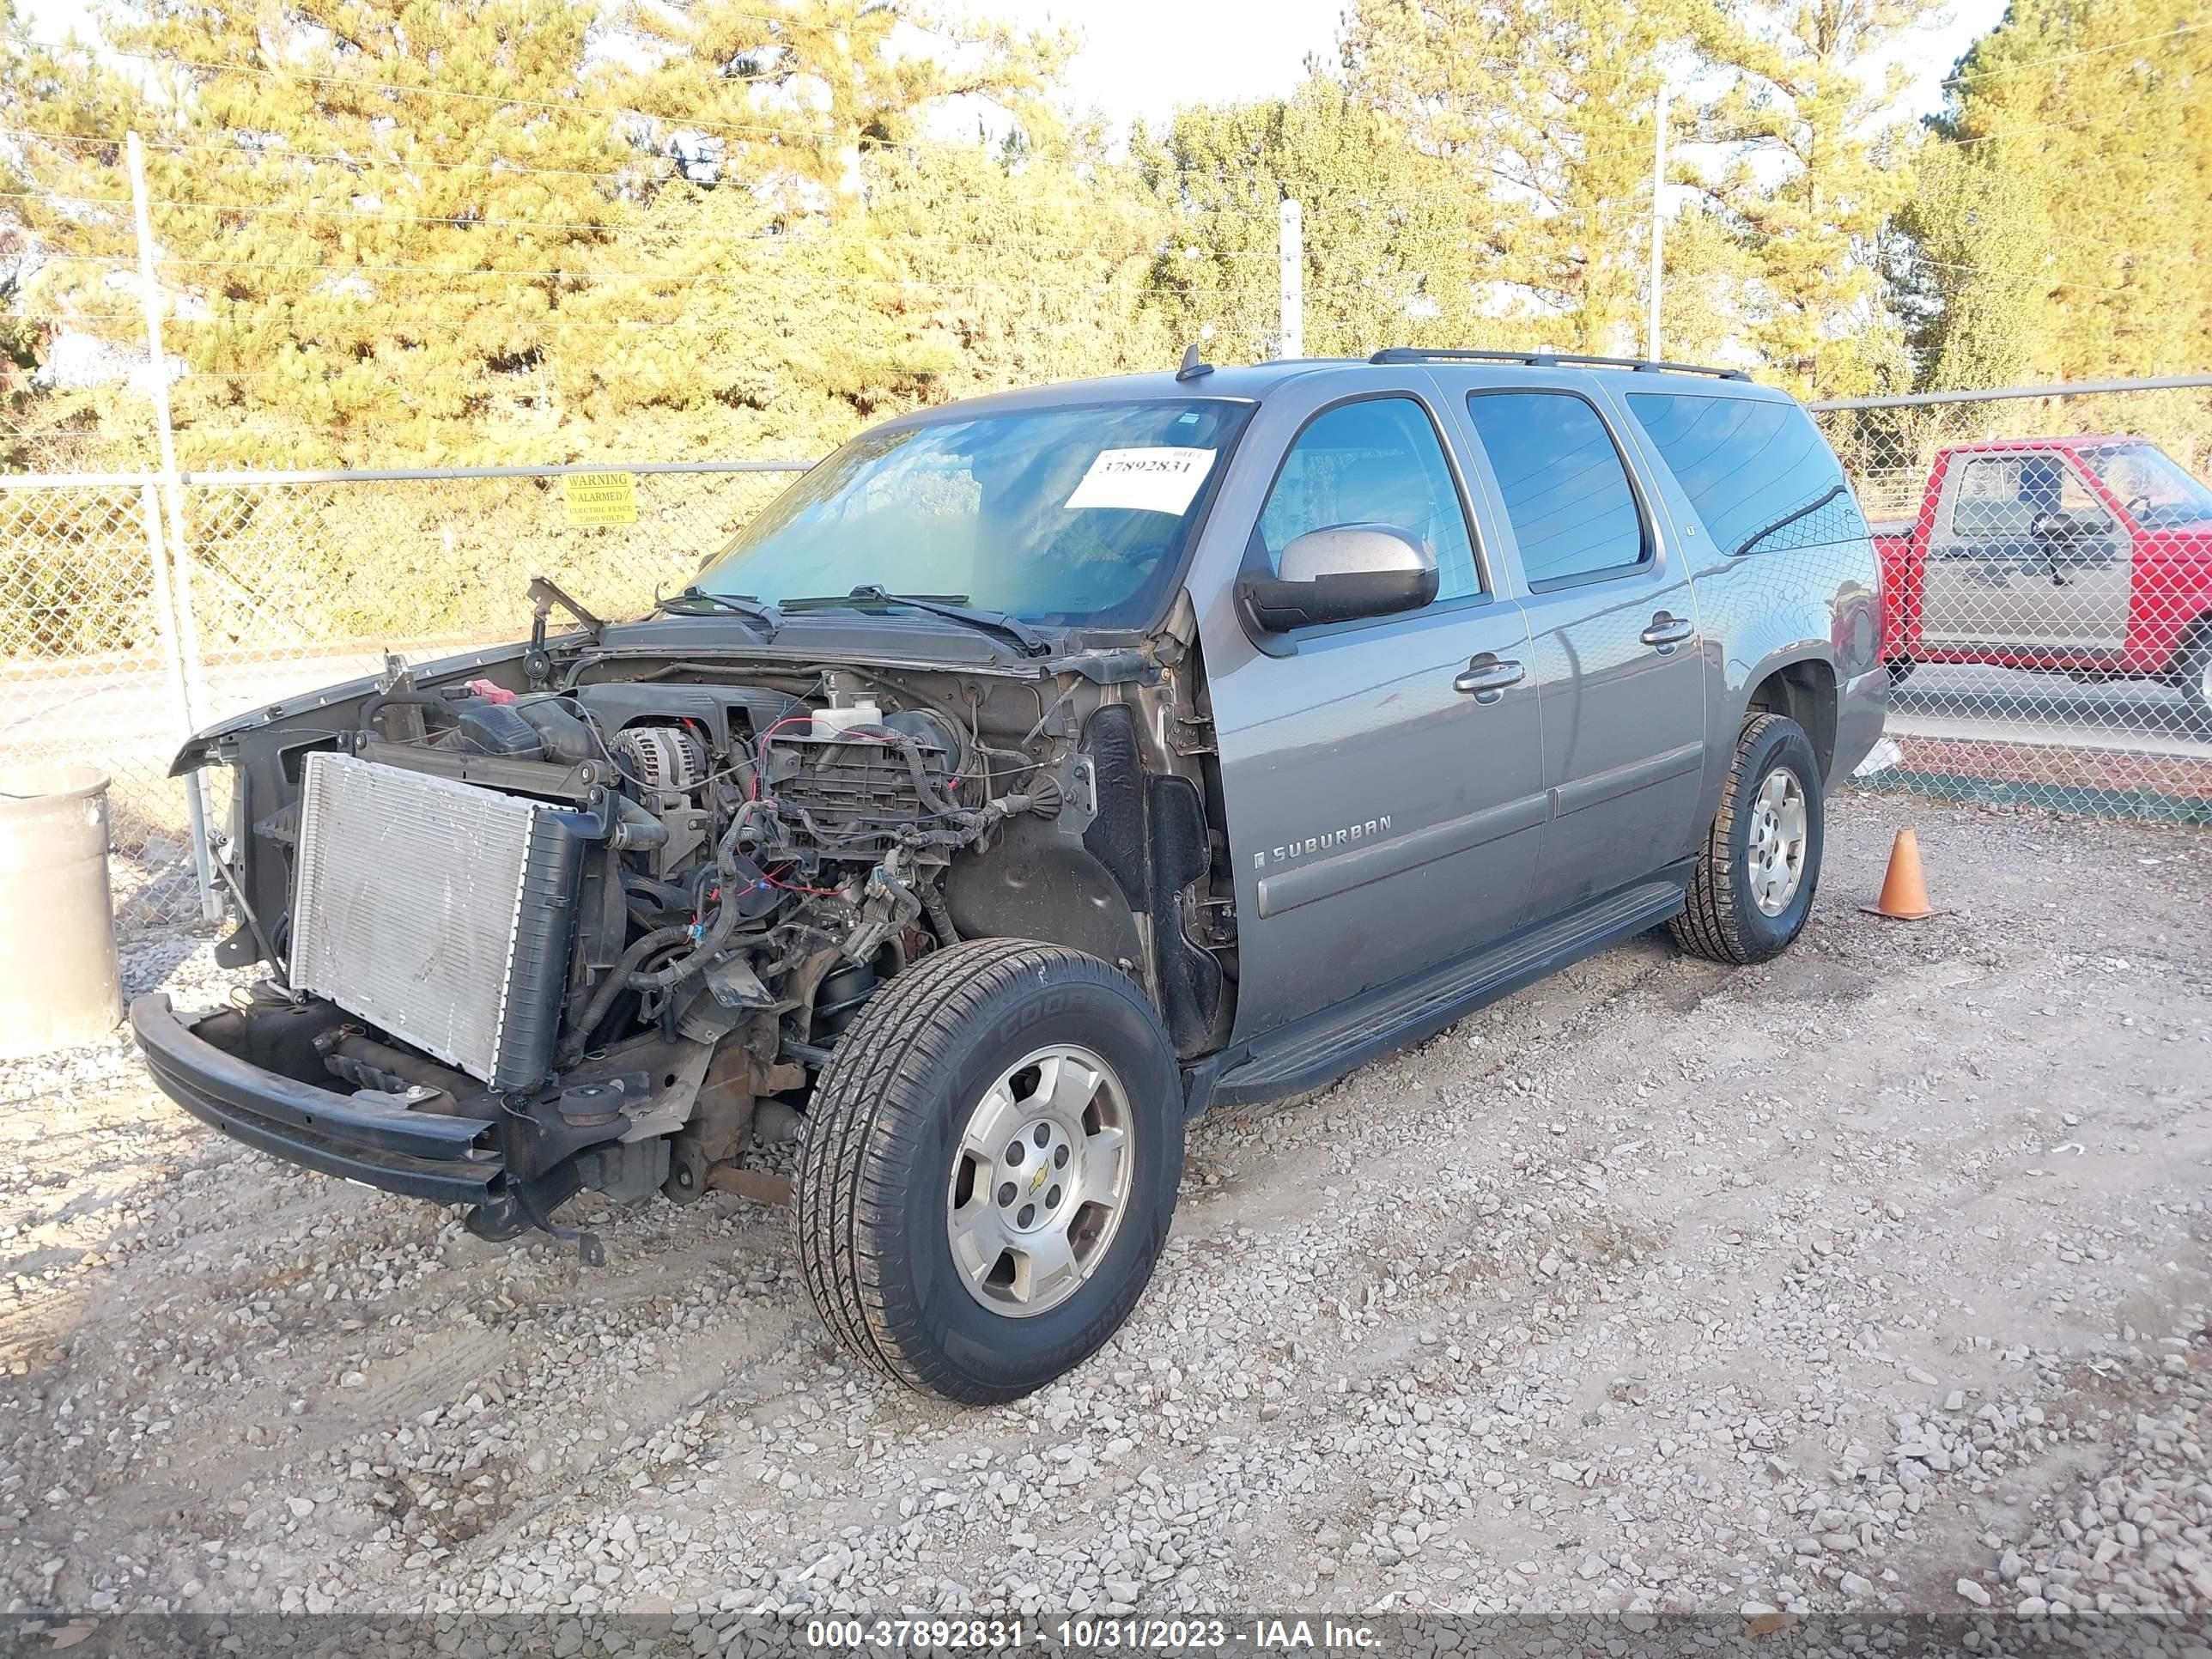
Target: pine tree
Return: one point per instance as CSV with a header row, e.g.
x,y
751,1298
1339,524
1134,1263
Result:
x,y
2067,203
1966,269
1818,163
1387,259
796,94
1544,109
468,234
369,215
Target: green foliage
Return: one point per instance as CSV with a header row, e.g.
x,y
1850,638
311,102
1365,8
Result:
x,y
548,230
1969,243
2063,218
1386,261
1816,169
1541,111
454,233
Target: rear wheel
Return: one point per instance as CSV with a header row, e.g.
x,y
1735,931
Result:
x,y
990,1166
1761,861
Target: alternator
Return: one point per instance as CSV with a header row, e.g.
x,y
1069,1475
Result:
x,y
667,759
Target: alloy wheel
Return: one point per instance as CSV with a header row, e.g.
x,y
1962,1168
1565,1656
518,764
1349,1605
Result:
x,y
1040,1180
1778,837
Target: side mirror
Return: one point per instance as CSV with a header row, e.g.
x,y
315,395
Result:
x,y
2059,527
1342,573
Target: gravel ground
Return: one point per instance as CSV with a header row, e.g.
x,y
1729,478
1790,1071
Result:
x,y
1873,1279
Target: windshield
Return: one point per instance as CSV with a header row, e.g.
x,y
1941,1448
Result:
x,y
1074,516
2150,484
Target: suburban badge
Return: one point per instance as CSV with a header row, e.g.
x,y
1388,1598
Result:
x,y
1312,844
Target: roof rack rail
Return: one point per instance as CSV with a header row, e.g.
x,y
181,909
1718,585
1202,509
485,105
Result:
x,y
1549,360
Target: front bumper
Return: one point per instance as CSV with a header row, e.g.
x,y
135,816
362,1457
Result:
x,y
366,1137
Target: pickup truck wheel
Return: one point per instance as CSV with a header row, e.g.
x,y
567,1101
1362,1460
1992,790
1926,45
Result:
x,y
1900,669
990,1166
1761,862
2197,675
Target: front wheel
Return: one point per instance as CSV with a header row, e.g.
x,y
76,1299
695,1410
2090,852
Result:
x,y
1761,861
990,1166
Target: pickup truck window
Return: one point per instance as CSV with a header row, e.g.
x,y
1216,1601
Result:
x,y
1752,468
1375,461
1562,483
2001,498
2157,492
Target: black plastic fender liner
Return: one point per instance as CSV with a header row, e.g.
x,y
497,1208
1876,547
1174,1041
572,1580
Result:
x,y
1116,836
1036,884
1190,978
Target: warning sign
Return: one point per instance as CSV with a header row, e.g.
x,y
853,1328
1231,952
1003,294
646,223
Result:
x,y
599,498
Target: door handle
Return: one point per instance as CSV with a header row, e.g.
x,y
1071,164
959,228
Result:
x,y
1487,677
1667,632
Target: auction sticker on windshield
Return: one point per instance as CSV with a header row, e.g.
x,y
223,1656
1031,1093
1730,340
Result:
x,y
1155,480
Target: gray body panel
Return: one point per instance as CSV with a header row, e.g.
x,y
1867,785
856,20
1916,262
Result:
x,y
1624,722
1439,794
1380,824
1768,611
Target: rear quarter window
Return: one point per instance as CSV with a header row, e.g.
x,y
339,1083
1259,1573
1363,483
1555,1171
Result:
x,y
1758,473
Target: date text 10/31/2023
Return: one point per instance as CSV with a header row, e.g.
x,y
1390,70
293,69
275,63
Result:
x,y
1086,1635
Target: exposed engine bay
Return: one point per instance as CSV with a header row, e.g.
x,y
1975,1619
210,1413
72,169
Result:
x,y
611,916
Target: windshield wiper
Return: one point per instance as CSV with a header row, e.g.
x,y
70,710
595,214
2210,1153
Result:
x,y
1032,643
742,604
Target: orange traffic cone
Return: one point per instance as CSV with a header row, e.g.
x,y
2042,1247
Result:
x,y
1904,889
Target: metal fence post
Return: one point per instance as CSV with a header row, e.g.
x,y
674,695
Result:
x,y
173,664
193,687
1658,224
1291,275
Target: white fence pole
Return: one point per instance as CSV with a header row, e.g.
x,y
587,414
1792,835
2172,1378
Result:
x,y
192,681
1290,273
1658,223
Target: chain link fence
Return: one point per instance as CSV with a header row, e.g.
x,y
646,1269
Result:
x,y
2048,557
133,613
2047,554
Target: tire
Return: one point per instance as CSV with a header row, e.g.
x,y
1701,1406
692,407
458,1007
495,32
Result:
x,y
1725,919
1900,669
2196,676
890,1137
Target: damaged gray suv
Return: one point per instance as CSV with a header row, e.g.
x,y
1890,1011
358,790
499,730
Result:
x,y
1035,772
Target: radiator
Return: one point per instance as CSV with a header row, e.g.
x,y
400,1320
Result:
x,y
437,911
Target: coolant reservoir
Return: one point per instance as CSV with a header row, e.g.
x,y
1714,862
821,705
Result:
x,y
831,724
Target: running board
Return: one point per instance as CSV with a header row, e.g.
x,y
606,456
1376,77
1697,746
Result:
x,y
1313,1055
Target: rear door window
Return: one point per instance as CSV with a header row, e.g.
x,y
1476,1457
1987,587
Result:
x,y
1563,484
1758,473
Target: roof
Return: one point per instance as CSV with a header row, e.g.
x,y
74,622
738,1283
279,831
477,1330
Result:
x,y
1254,382
1250,384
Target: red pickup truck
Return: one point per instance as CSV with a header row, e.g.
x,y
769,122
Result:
x,y
2090,556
